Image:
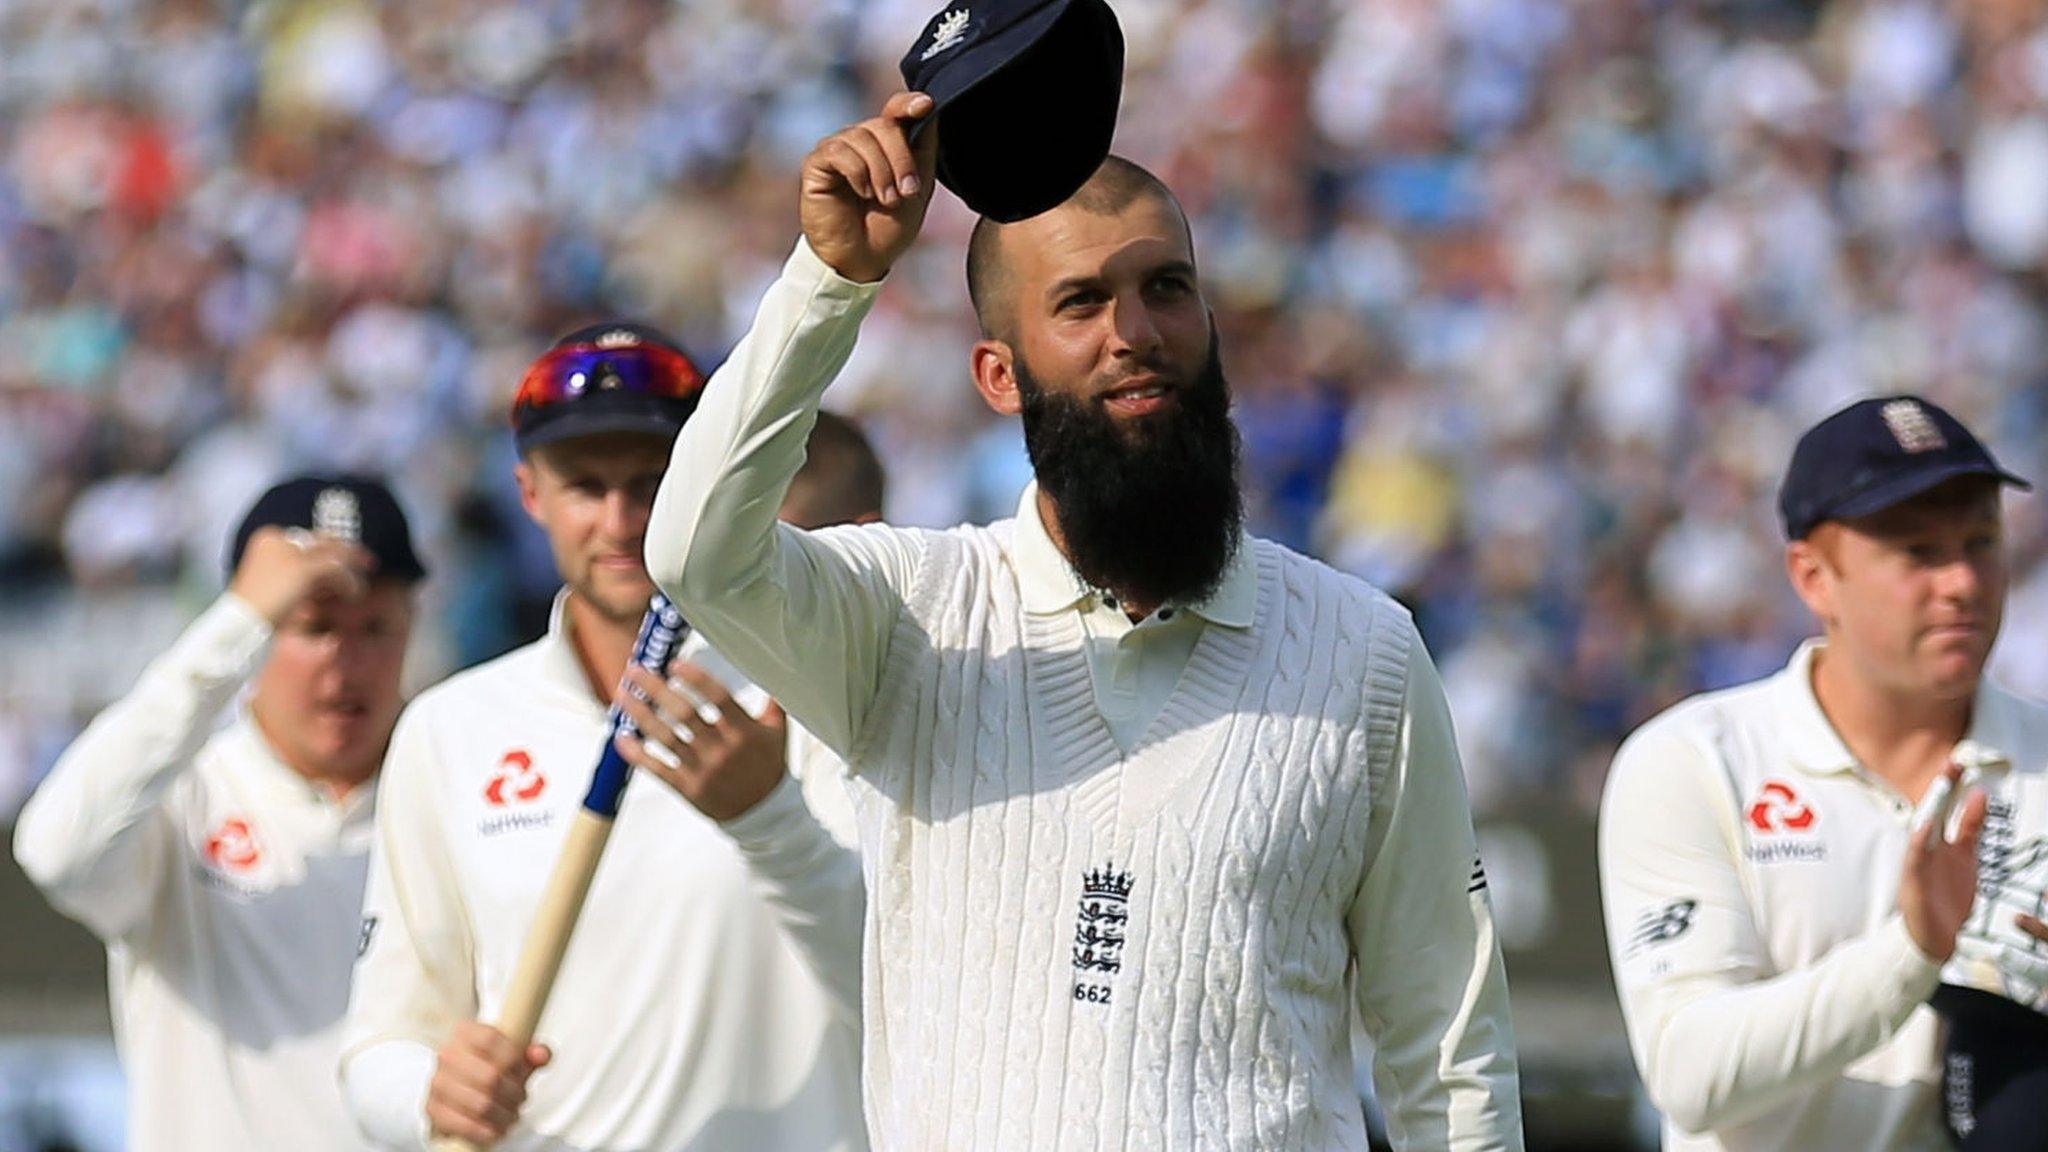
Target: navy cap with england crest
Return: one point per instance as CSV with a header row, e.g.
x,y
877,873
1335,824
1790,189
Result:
x,y
1875,454
359,509
1025,95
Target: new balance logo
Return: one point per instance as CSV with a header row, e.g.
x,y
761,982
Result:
x,y
1662,924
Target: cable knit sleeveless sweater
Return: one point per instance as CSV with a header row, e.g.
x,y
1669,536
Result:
x,y
1071,947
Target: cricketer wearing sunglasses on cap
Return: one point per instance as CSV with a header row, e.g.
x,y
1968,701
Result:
x,y
693,1009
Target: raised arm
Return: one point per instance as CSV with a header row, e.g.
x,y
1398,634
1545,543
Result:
x,y
805,615
1431,987
96,837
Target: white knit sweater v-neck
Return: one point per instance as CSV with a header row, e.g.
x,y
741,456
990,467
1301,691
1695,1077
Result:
x,y
1073,946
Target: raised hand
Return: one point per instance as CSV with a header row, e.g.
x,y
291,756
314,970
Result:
x,y
283,567
1939,882
718,757
865,189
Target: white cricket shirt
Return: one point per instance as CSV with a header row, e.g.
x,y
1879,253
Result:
x,y
693,1011
227,888
1750,874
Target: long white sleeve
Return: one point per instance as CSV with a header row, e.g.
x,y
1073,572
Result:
x,y
806,615
413,979
1431,987
94,837
385,1086
811,881
1719,1034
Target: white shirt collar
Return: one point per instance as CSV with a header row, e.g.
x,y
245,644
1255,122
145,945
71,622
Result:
x,y
259,763
1050,584
1814,745
559,663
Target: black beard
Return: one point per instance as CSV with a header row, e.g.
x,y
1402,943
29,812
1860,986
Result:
x,y
1148,508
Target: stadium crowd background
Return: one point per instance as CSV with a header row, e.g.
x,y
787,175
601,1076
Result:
x,y
1523,301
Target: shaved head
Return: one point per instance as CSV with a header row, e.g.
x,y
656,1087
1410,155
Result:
x,y
1116,185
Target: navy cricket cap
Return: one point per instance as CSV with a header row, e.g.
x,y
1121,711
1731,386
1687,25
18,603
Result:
x,y
350,507
1025,95
615,377
1875,454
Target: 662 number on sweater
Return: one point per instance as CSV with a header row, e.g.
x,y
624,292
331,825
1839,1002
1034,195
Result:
x,y
1092,993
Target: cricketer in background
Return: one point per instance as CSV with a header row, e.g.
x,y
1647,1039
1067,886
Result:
x,y
223,864
692,1010
1149,809
1777,912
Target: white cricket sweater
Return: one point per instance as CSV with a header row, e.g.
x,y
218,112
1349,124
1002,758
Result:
x,y
1073,946
228,889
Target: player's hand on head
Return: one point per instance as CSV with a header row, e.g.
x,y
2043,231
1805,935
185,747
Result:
x,y
1938,884
865,189
701,742
282,567
479,1083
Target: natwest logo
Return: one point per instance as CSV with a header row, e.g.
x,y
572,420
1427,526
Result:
x,y
233,846
516,780
1777,808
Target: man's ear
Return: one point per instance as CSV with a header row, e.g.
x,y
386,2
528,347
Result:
x,y
995,376
528,476
1813,575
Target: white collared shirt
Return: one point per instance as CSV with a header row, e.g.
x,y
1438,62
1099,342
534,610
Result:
x,y
1750,872
709,995
227,888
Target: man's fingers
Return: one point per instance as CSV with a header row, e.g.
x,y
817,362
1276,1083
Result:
x,y
1939,800
656,730
537,1056
907,106
2033,926
1917,844
774,718
1974,808
679,764
846,162
487,1044
657,699
707,689
476,1104
448,1121
866,140
895,144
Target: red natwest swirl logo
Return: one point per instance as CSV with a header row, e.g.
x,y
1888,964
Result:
x,y
233,846
516,780
1777,808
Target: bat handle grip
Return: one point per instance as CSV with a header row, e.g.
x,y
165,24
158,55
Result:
x,y
547,941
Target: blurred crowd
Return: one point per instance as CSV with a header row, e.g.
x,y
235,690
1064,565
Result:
x,y
1523,301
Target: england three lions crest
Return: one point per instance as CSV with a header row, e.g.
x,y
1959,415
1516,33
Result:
x,y
1100,924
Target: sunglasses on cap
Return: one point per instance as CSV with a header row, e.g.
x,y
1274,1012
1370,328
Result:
x,y
575,370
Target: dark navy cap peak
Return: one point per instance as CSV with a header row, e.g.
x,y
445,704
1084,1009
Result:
x,y
1026,95
1875,454
349,507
